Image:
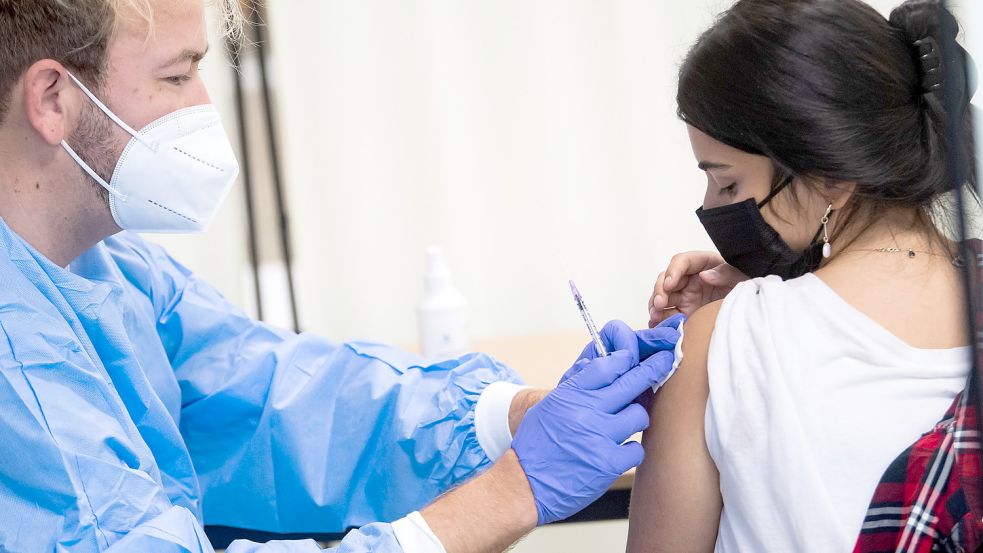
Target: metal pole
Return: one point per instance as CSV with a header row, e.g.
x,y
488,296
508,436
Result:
x,y
958,111
274,152
246,173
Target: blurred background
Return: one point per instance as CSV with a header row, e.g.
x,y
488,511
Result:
x,y
534,140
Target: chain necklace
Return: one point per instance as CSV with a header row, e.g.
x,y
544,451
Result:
x,y
911,253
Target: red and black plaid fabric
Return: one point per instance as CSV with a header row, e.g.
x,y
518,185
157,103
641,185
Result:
x,y
929,500
930,497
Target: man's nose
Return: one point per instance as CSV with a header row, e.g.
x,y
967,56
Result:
x,y
199,95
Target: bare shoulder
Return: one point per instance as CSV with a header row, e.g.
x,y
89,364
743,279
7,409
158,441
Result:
x,y
697,332
706,316
684,396
699,327
676,502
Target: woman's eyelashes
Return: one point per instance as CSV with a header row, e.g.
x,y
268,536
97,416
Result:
x,y
730,190
718,181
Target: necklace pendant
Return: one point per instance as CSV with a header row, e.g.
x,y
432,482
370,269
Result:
x,y
911,254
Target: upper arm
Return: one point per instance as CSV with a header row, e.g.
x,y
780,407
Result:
x,y
675,501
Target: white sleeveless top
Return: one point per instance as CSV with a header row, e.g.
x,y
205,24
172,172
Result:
x,y
810,401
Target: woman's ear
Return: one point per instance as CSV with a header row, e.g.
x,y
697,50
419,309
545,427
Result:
x,y
838,192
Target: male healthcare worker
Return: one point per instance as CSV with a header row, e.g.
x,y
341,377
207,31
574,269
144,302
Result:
x,y
137,403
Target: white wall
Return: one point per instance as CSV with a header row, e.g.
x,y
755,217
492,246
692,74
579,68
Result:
x,y
533,139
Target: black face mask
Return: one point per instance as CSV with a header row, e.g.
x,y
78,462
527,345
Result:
x,y
746,241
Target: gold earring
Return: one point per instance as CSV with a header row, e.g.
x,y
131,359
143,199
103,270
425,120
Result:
x,y
827,249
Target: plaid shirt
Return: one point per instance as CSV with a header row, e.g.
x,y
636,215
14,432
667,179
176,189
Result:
x,y
929,498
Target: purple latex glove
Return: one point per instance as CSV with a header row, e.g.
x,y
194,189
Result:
x,y
571,445
617,335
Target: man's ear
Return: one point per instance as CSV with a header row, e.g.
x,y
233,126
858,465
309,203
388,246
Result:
x,y
838,192
48,102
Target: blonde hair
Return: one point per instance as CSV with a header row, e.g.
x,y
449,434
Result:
x,y
233,16
77,33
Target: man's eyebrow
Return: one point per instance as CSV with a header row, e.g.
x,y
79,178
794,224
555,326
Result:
x,y
187,55
707,165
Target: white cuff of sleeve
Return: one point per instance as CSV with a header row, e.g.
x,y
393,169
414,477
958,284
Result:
x,y
491,418
415,536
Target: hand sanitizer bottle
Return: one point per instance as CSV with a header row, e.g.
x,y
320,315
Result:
x,y
442,312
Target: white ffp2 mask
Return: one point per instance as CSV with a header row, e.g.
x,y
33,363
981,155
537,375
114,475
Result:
x,y
173,174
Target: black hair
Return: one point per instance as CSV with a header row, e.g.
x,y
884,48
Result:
x,y
831,89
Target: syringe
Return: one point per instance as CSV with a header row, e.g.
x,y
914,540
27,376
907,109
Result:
x,y
591,328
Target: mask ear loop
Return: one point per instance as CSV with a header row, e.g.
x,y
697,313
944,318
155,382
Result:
x,y
85,167
109,113
784,184
822,230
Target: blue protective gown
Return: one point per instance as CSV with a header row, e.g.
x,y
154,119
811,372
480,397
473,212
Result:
x,y
137,403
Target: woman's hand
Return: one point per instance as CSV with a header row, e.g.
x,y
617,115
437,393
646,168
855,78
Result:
x,y
692,280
